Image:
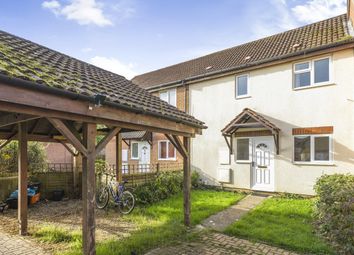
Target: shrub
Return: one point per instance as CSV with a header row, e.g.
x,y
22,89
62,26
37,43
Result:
x,y
334,212
165,185
36,157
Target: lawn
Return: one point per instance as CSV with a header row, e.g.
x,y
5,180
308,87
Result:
x,y
281,222
159,224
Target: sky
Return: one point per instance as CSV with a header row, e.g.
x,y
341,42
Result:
x,y
131,37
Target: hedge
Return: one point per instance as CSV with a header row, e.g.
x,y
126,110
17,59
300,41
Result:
x,y
334,212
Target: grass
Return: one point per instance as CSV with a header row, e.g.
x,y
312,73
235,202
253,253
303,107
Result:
x,y
159,224
283,222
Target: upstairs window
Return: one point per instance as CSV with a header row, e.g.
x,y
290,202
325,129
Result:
x,y
310,73
169,96
242,86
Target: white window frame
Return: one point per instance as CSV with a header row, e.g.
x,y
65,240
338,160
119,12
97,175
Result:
x,y
159,150
248,86
311,69
312,150
174,103
250,150
131,152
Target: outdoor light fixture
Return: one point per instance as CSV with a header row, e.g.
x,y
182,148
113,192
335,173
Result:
x,y
99,99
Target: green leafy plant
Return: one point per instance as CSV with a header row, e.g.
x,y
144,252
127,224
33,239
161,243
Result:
x,y
36,157
165,185
334,212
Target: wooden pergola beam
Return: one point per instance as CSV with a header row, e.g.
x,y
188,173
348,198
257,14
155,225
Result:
x,y
65,131
14,118
70,150
112,133
22,179
187,182
8,140
182,150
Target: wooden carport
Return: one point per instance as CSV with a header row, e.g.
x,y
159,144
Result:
x,y
50,97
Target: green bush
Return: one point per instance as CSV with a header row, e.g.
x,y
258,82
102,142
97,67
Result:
x,y
36,157
334,212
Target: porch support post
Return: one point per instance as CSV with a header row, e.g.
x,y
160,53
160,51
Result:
x,y
187,181
22,179
88,189
119,157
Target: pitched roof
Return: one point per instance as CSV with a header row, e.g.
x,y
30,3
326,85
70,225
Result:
x,y
244,117
328,32
22,59
134,135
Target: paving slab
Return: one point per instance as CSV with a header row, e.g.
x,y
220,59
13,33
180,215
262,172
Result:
x,y
220,221
18,245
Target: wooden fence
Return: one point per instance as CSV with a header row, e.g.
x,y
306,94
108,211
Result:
x,y
61,176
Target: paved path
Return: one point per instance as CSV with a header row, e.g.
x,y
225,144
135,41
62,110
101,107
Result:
x,y
16,245
220,244
223,219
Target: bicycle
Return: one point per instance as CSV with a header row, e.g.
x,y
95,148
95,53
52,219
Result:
x,y
122,197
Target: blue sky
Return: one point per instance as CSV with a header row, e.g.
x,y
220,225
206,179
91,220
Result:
x,y
131,37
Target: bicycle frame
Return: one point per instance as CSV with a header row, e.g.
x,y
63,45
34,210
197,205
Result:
x,y
120,189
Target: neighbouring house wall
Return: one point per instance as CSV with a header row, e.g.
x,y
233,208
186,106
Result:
x,y
272,96
57,153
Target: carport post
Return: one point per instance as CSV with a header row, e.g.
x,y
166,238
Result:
x,y
119,157
88,189
187,181
22,179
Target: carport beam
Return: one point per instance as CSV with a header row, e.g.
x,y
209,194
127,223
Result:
x,y
119,157
22,179
187,181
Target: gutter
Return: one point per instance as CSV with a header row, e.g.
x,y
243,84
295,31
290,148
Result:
x,y
74,96
240,67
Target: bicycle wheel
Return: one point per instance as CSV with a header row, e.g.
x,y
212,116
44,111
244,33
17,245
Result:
x,y
127,202
102,198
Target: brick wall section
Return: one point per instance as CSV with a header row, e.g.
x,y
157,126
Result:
x,y
57,153
313,130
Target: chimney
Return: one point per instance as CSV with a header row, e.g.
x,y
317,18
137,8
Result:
x,y
350,12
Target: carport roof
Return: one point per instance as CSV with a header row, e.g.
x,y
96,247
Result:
x,y
25,60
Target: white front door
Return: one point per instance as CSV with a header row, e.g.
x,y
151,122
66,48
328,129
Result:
x,y
263,164
144,159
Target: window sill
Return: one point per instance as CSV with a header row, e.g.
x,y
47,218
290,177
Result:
x,y
243,97
243,161
167,159
314,163
316,86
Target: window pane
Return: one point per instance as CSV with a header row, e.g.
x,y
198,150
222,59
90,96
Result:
x,y
163,150
302,148
302,79
171,150
243,148
322,148
242,82
172,97
135,150
321,70
302,66
164,96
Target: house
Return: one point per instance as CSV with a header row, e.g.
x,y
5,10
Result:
x,y
142,150
279,110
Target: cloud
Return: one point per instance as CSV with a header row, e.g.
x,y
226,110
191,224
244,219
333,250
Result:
x,y
85,12
316,10
114,65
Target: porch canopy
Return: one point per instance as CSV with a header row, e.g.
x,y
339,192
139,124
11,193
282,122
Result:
x,y
250,123
50,97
